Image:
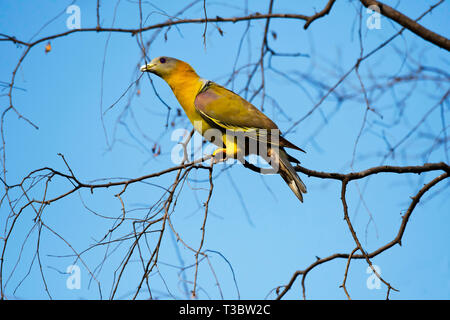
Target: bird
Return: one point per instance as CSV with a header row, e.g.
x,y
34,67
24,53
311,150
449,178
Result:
x,y
213,108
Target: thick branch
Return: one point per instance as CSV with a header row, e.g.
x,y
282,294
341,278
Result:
x,y
409,24
374,170
352,255
320,14
256,16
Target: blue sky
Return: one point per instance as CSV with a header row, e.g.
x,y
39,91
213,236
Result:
x,y
255,222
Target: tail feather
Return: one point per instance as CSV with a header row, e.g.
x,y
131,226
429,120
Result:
x,y
288,173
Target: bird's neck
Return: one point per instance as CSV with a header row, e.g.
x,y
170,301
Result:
x,y
185,85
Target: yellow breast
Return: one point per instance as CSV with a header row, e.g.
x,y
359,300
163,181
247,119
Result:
x,y
185,85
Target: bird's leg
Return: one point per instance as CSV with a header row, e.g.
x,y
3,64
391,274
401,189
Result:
x,y
231,150
219,155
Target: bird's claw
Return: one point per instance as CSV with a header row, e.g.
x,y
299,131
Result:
x,y
219,155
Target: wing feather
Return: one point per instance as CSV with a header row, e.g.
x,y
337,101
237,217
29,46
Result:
x,y
228,111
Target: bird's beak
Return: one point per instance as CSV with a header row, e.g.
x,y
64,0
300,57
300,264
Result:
x,y
148,67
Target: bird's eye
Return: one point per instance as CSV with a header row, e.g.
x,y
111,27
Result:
x,y
162,60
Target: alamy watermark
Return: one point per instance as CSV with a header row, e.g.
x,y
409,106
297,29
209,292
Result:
x,y
74,19
373,281
73,281
374,20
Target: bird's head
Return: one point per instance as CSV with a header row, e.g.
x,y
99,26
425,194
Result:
x,y
166,66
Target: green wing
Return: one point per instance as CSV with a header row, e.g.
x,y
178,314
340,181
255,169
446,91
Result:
x,y
226,110
229,111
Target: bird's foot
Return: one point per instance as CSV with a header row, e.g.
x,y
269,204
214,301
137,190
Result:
x,y
219,155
